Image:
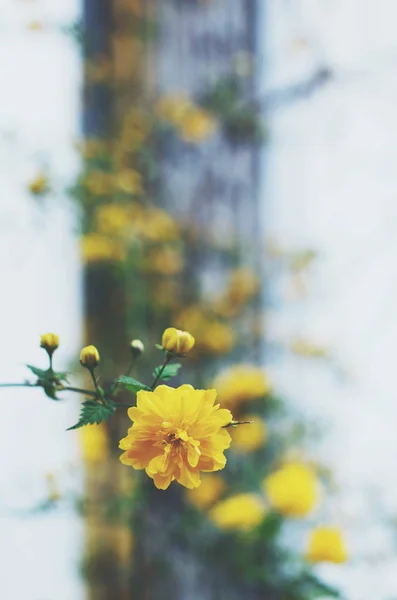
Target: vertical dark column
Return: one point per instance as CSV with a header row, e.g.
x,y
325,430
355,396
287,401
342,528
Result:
x,y
97,105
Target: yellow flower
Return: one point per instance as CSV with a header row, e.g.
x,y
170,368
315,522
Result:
x,y
216,337
157,225
116,218
241,512
129,181
89,357
176,433
49,341
249,437
292,490
39,185
93,147
96,248
243,285
177,341
241,383
173,107
166,261
326,544
94,443
209,491
99,183
196,125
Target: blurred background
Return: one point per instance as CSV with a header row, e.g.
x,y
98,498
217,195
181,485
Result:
x,y
226,167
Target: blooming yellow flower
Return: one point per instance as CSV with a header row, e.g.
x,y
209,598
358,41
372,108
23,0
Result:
x,y
292,490
241,512
96,247
176,433
196,125
39,185
209,491
94,443
89,357
177,341
241,383
49,341
326,544
249,437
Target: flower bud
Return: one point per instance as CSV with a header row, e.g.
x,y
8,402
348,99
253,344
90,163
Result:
x,y
89,357
137,348
50,342
177,341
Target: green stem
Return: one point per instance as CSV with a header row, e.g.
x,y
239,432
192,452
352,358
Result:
x,y
167,359
234,423
99,392
26,384
113,388
78,390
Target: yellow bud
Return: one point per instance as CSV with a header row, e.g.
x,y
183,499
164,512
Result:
x,y
89,357
137,348
177,341
49,341
326,544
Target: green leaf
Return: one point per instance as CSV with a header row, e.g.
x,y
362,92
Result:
x,y
61,376
159,347
45,375
50,391
131,384
93,413
168,372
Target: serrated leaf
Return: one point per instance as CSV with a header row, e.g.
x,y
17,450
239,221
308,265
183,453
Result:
x,y
40,373
61,376
50,391
168,372
131,384
93,413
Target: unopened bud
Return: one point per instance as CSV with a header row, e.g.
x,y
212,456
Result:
x,y
137,348
177,341
50,342
89,357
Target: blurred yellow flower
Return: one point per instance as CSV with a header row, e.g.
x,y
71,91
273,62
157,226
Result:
x,y
39,185
196,125
241,383
216,337
241,512
123,542
173,107
308,349
115,218
94,443
129,181
243,285
166,261
176,433
99,183
249,437
92,147
192,318
292,490
157,225
177,341
96,247
209,491
326,544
